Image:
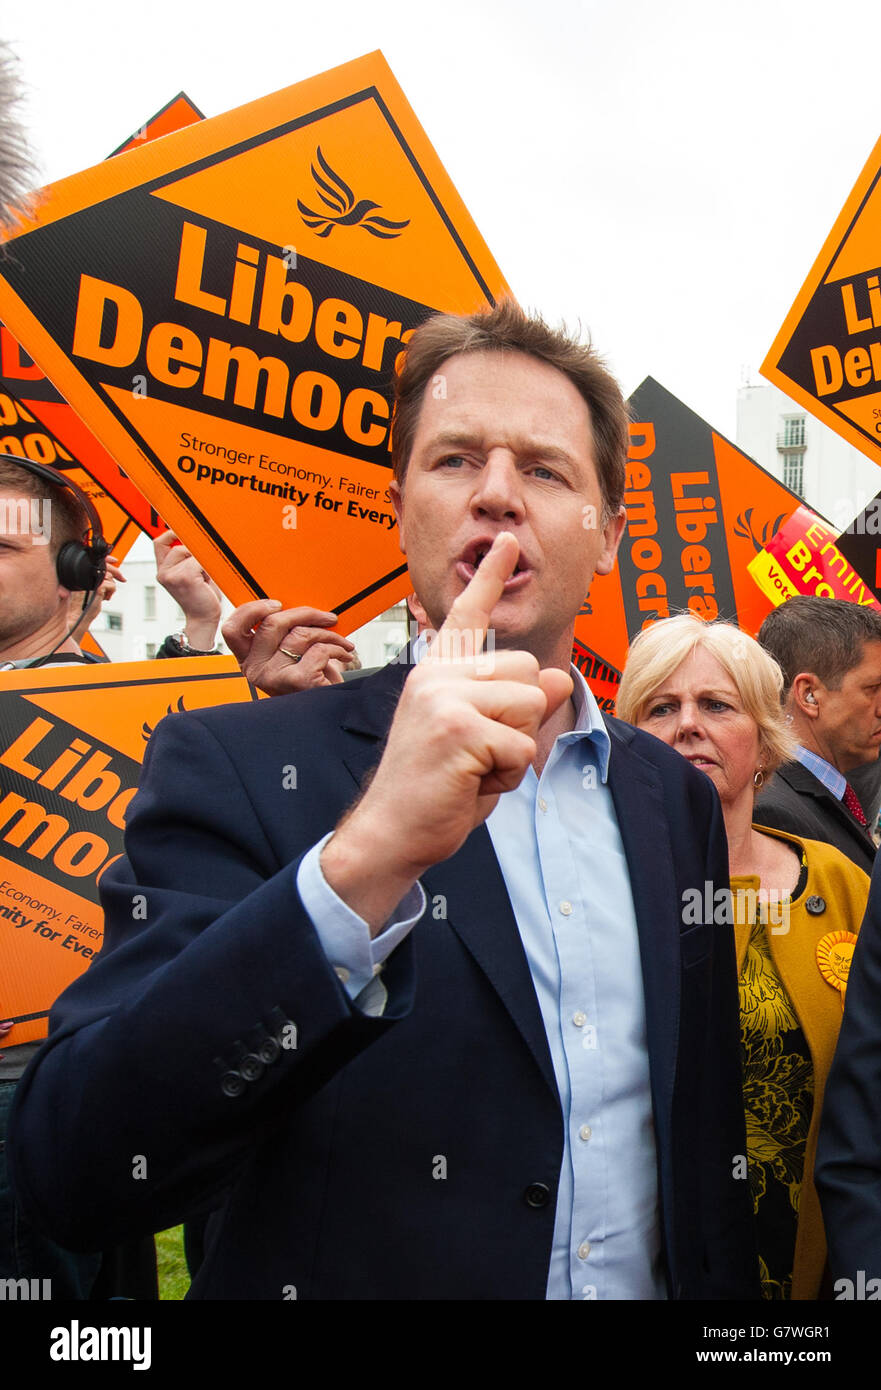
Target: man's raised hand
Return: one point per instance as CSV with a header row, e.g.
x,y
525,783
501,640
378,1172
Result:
x,y
465,730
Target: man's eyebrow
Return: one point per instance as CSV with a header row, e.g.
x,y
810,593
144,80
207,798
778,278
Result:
x,y
472,439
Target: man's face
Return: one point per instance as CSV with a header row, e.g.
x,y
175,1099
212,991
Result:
x,y
30,594
848,725
504,443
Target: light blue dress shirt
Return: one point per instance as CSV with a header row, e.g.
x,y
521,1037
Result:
x,y
833,780
560,852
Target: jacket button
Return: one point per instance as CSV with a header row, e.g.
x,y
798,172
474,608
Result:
x,y
815,906
268,1051
537,1194
232,1083
251,1068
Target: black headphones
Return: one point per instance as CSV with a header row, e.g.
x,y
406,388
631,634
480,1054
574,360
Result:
x,y
80,565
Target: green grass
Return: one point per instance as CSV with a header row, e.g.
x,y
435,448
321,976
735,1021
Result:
x,y
174,1278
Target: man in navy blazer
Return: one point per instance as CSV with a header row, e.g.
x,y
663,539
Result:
x,y
848,1167
343,999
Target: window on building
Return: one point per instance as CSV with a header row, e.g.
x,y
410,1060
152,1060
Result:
x,y
151,650
794,432
149,601
399,613
114,622
793,473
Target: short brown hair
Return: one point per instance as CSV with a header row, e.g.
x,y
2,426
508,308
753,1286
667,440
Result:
x,y
507,329
825,636
69,520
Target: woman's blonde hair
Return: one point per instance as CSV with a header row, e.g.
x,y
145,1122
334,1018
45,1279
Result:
x,y
658,650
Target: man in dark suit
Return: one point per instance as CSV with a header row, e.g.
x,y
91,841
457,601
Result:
x,y
830,653
534,1090
848,1167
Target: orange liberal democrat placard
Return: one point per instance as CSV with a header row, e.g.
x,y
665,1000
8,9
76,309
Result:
x,y
224,308
698,511
64,441
174,115
71,745
827,355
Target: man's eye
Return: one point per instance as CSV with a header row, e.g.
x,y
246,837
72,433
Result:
x,y
544,473
452,461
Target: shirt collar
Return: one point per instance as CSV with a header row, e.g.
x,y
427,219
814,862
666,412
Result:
x,y
833,780
588,719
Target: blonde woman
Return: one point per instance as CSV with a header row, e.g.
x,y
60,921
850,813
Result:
x,y
711,692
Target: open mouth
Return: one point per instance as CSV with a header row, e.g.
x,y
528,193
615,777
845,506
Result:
x,y
476,552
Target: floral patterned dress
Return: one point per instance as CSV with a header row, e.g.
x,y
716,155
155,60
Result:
x,y
778,1087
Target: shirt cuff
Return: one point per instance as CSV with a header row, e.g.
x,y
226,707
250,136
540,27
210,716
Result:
x,y
356,957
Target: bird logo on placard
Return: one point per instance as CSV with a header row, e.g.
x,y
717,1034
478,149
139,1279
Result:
x,y
743,527
147,729
336,194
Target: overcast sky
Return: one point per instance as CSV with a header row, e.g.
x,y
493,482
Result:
x,y
662,171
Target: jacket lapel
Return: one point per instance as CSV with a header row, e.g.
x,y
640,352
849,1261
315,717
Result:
x,y
801,779
643,821
479,911
478,906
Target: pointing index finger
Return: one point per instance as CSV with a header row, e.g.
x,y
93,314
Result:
x,y
473,609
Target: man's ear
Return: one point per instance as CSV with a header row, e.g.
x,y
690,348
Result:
x,y
613,530
803,695
396,495
416,610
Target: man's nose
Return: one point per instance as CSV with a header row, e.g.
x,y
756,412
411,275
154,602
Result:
x,y
498,491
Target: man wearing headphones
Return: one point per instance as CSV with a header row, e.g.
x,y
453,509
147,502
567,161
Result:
x,y
50,547
52,551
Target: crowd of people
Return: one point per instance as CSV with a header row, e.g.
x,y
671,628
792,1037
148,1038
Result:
x,y
498,997
646,1058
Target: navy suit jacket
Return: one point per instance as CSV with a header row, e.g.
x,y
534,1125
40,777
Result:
x,y
797,801
322,1156
848,1166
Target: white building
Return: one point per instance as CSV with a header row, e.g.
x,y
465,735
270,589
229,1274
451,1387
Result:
x,y
141,614
833,477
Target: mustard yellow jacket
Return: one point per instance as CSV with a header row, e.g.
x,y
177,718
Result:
x,y
834,899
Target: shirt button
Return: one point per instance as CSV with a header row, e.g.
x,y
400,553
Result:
x,y
584,1250
579,1019
585,1132
341,973
542,804
377,970
566,909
